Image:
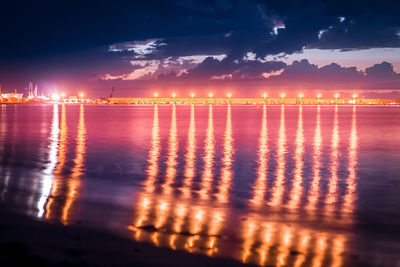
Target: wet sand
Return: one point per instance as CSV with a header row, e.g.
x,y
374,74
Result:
x,y
28,242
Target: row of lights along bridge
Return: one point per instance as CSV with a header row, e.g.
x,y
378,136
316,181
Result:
x,y
265,95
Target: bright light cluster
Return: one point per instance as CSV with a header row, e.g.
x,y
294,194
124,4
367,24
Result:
x,y
55,97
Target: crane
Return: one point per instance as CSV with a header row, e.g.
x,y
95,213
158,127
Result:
x,y
111,94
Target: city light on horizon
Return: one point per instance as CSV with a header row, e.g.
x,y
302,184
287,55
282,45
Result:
x,y
287,97
55,97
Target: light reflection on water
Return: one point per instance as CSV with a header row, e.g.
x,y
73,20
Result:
x,y
48,171
314,193
77,169
61,161
180,223
331,196
208,158
278,187
260,186
65,188
190,157
299,209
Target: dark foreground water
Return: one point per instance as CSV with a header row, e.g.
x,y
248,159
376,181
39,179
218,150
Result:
x,y
274,185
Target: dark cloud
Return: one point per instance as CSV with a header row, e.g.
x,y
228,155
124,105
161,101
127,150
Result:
x,y
39,28
383,70
334,25
378,77
86,65
238,69
304,71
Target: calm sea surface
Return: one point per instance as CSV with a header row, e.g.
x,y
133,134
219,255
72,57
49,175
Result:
x,y
271,185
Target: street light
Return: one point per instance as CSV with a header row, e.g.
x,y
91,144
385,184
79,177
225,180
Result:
x,y
301,95
283,96
174,95
319,96
229,95
354,97
81,95
210,95
155,96
192,95
336,97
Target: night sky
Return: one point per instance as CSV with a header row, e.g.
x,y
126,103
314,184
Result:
x,y
245,47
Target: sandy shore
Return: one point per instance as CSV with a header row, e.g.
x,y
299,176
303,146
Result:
x,y
28,242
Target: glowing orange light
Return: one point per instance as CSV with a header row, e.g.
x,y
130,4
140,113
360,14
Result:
x,y
301,95
278,188
337,95
259,187
210,95
77,169
319,95
192,95
208,158
265,95
63,94
283,95
155,94
81,95
355,95
172,154
190,156
229,95
173,95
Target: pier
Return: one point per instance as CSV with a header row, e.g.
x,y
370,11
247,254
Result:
x,y
251,101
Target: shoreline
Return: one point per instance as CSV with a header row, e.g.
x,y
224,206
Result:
x,y
25,241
